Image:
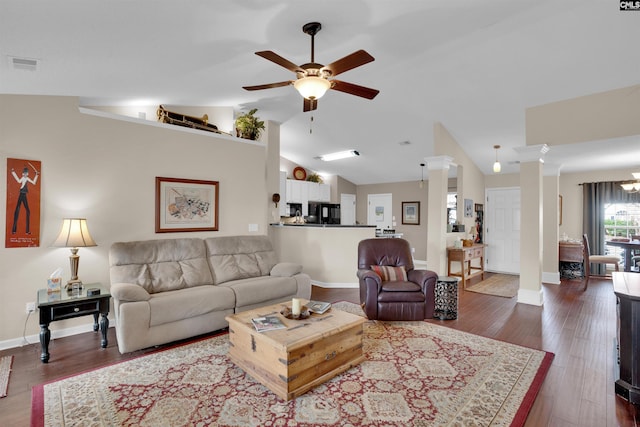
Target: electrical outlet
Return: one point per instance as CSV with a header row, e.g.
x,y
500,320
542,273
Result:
x,y
31,307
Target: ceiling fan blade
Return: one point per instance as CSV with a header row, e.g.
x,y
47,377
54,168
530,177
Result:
x,y
274,57
349,62
309,104
268,86
352,89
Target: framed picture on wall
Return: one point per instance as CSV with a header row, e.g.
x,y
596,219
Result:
x,y
468,208
186,205
411,213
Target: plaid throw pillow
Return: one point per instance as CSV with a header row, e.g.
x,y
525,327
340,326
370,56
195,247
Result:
x,y
389,273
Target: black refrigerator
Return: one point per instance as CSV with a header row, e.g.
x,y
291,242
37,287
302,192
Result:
x,y
324,213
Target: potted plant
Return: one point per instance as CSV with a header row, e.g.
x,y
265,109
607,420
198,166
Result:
x,y
249,126
314,177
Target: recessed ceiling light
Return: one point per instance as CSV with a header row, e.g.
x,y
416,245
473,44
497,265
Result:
x,y
339,155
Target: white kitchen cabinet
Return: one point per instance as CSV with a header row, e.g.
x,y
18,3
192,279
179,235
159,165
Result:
x,y
294,191
307,191
297,192
325,192
319,192
313,191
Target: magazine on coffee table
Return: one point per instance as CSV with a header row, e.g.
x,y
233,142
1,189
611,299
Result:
x,y
318,307
267,323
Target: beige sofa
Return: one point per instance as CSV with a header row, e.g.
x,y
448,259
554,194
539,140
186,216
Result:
x,y
171,289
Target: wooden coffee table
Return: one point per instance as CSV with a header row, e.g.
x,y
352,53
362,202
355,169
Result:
x,y
307,353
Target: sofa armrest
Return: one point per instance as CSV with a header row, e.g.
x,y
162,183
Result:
x,y
425,278
286,269
364,274
129,292
370,283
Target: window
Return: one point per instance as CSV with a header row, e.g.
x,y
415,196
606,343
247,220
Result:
x,y
452,203
621,220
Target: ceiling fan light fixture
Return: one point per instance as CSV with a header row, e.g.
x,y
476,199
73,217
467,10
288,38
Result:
x,y
312,87
339,155
632,187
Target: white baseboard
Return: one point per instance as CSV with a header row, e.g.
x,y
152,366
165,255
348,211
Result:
x,y
58,333
530,297
335,285
551,278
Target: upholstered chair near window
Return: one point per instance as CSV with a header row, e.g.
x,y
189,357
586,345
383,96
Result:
x,y
390,288
595,259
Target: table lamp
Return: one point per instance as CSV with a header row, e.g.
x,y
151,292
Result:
x,y
74,234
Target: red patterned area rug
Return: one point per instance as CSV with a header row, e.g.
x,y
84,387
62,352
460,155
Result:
x,y
416,373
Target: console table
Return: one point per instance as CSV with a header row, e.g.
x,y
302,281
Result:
x,y
66,305
627,288
571,259
465,256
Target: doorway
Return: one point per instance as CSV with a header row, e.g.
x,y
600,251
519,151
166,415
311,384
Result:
x,y
502,230
379,210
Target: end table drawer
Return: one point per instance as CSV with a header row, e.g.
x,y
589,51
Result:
x,y
61,312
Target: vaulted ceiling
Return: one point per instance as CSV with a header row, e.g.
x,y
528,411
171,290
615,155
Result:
x,y
474,66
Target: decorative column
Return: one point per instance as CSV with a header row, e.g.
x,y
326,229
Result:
x,y
552,221
531,223
438,173
272,170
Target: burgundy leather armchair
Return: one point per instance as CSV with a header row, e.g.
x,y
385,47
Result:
x,y
394,298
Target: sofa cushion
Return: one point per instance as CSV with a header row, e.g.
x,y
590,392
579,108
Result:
x,y
160,265
259,289
239,257
173,306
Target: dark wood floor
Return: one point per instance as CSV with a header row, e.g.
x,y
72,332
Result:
x,y
579,327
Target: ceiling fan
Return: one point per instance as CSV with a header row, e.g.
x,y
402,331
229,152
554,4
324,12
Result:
x,y
313,79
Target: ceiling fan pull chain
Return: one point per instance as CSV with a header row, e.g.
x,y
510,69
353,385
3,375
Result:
x,y
311,125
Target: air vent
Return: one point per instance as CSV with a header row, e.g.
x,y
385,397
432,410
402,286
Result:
x,y
28,64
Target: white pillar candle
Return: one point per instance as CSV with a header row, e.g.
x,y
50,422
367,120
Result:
x,y
295,306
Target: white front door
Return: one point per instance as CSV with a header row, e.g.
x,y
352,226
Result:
x,y
347,209
379,210
502,230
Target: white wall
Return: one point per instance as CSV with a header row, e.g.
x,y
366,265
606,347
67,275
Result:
x,y
104,170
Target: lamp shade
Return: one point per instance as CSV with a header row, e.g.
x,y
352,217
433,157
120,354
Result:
x,y
312,87
74,234
496,167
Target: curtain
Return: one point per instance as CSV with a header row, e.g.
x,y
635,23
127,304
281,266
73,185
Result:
x,y
594,197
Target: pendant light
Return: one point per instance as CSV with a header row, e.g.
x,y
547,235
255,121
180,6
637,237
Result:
x,y
496,166
421,184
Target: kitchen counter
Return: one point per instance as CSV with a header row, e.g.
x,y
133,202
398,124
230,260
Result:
x,y
292,224
327,252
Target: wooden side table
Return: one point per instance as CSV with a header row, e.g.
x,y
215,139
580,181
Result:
x,y
465,256
66,305
571,259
